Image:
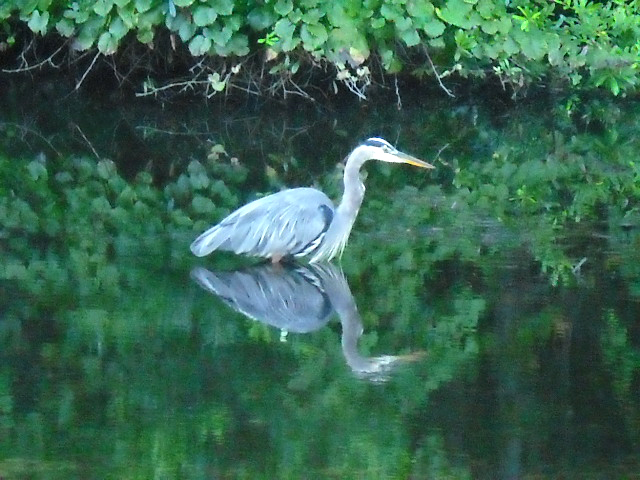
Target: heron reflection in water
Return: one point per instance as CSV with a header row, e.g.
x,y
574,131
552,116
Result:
x,y
300,221
299,299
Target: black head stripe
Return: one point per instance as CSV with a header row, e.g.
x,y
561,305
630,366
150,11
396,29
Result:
x,y
378,142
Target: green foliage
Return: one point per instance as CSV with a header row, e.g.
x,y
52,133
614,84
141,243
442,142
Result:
x,y
574,42
82,210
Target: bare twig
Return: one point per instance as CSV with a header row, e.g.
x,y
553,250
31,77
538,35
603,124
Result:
x,y
88,70
435,72
88,142
150,90
442,149
26,67
153,130
398,99
576,268
24,129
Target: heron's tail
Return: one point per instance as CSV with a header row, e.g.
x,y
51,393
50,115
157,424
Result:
x,y
209,241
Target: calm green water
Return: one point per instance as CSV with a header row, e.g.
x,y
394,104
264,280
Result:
x,y
483,323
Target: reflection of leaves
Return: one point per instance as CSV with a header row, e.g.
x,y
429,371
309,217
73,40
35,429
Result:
x,y
620,356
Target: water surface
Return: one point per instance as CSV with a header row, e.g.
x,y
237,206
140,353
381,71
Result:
x,y
483,322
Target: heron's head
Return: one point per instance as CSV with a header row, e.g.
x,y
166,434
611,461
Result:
x,y
379,149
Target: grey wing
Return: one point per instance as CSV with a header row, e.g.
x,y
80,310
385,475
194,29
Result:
x,y
291,222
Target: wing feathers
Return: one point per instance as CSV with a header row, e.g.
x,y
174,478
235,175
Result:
x,y
291,222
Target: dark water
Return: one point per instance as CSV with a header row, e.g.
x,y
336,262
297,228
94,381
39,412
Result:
x,y
477,326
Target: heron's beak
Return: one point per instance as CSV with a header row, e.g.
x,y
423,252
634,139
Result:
x,y
406,158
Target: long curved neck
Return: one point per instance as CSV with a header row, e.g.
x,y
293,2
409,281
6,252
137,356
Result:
x,y
353,190
345,215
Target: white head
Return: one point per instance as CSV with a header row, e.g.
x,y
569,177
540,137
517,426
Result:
x,y
376,148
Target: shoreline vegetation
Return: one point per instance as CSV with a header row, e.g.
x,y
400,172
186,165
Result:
x,y
313,49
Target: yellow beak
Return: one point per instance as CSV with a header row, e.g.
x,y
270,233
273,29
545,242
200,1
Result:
x,y
406,158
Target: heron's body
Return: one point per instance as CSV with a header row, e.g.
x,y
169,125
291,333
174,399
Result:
x,y
300,221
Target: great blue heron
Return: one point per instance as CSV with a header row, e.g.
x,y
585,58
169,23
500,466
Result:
x,y
300,221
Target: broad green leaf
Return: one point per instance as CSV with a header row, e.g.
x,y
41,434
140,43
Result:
x,y
390,61
117,28
295,16
234,22
44,4
37,170
202,204
144,5
204,16
392,12
107,44
285,30
122,3
491,50
434,28
174,23
183,3
532,43
313,36
337,15
199,45
404,24
410,37
106,169
103,7
312,16
128,15
38,22
145,36
283,7
26,8
510,46
261,18
65,27
187,30
89,33
489,26
437,43
218,85
239,44
151,18
504,25
219,35
555,53
420,9
319,31
487,9
224,7
84,40
349,38
456,12
377,23
78,16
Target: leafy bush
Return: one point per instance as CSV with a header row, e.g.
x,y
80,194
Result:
x,y
574,42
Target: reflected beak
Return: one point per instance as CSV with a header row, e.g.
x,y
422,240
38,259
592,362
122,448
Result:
x,y
406,158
